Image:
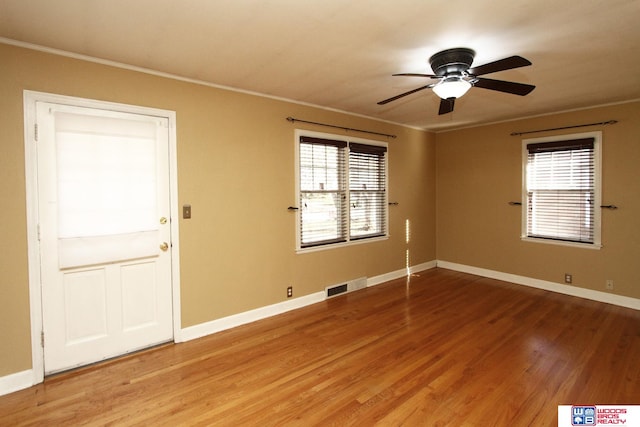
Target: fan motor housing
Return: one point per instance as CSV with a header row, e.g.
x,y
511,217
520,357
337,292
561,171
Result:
x,y
452,61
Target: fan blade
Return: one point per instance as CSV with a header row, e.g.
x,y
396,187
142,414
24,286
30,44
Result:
x,y
431,76
446,105
500,65
386,101
503,86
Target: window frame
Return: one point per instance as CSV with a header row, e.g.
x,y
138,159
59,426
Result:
x,y
348,241
597,189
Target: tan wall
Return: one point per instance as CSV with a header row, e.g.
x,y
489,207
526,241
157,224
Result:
x,y
236,169
479,171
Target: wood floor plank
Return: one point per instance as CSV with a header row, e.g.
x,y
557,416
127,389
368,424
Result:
x,y
439,348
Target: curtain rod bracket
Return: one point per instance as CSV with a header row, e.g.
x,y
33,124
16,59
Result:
x,y
608,122
293,119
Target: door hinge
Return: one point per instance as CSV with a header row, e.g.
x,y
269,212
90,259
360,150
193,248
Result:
x,y
42,339
35,132
38,231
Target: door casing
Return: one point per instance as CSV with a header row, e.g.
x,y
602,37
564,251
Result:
x,y
31,179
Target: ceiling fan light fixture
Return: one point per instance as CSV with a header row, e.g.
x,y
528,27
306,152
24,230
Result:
x,y
452,88
456,76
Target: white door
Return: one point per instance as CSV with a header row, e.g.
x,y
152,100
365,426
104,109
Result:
x,y
103,208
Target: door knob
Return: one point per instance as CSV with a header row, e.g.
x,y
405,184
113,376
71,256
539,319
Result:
x,y
164,246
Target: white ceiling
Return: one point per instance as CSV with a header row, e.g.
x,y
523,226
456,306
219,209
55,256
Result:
x,y
340,54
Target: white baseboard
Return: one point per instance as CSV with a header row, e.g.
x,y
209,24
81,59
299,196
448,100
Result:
x,y
15,382
218,325
422,267
232,321
546,285
383,278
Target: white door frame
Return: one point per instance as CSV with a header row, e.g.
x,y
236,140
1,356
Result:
x,y
31,178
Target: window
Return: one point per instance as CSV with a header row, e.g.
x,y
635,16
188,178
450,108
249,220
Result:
x,y
342,190
562,189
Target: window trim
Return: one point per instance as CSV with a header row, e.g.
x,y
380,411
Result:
x,y
597,188
349,241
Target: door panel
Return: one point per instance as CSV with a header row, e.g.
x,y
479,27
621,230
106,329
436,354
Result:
x,y
85,306
103,187
138,281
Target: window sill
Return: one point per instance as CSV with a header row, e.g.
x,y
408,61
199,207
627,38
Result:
x,y
340,245
592,246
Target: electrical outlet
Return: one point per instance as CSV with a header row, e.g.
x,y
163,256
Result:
x,y
609,284
289,291
568,278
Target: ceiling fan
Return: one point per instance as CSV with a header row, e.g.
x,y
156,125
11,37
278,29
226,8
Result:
x,y
452,68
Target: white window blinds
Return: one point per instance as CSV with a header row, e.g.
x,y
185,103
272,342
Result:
x,y
561,190
367,190
323,217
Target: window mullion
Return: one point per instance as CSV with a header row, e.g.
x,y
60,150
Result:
x,y
347,180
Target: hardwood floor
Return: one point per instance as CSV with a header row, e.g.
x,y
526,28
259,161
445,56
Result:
x,y
440,348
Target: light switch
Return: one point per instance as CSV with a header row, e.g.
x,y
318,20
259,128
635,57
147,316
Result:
x,y
186,211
